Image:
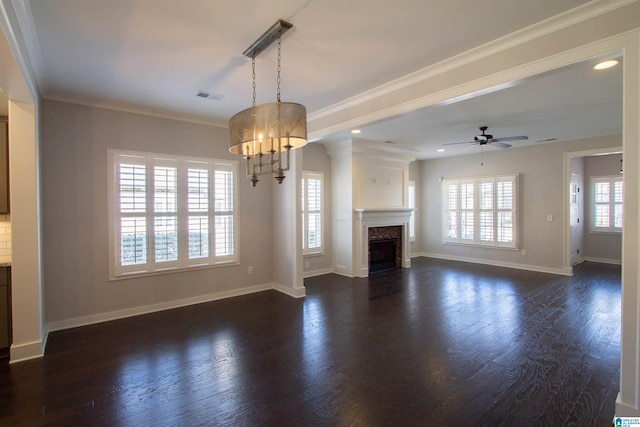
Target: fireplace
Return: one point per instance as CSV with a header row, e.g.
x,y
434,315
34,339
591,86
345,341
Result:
x,y
382,255
385,248
377,225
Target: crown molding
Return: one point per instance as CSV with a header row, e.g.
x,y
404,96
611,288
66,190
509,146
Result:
x,y
555,23
134,109
29,34
15,36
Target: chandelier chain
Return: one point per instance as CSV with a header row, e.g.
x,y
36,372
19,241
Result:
x,y
279,56
253,71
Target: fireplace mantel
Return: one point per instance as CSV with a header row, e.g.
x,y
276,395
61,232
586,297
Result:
x,y
378,217
383,213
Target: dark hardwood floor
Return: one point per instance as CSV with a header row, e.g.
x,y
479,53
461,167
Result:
x,y
443,343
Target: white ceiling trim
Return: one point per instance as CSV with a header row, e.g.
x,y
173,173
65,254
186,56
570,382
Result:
x,y
535,31
480,85
29,35
15,40
135,109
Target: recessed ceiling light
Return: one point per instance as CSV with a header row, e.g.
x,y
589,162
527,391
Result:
x,y
606,64
356,131
440,150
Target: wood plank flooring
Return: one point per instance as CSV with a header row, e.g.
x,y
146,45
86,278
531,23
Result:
x,y
443,343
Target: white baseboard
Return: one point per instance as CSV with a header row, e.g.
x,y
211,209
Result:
x,y
603,260
343,274
578,262
292,292
317,272
625,410
342,270
540,269
27,351
152,308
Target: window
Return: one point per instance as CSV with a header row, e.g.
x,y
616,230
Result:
x,y
168,212
312,213
411,199
481,211
607,204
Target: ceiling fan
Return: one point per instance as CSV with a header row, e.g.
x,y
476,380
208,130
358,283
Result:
x,y
486,139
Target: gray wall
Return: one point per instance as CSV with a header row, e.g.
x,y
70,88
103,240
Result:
x,y
315,158
75,140
541,171
599,246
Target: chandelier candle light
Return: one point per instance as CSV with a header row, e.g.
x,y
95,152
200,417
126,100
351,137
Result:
x,y
265,134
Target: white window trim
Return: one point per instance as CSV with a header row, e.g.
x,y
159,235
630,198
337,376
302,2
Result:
x,y
475,210
149,160
611,179
412,218
305,219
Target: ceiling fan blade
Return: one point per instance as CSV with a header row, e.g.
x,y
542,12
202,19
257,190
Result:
x,y
471,146
456,143
500,144
512,138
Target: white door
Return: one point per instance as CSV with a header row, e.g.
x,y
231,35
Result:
x,y
575,220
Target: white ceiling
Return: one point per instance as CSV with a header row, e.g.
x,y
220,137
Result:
x,y
155,55
569,103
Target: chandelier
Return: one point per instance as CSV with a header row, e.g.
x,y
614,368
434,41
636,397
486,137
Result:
x,y
265,134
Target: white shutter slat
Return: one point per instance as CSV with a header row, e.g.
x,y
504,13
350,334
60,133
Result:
x,y
133,188
607,204
133,241
224,223
312,214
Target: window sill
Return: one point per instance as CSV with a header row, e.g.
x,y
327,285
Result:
x,y
481,246
128,276
313,254
609,232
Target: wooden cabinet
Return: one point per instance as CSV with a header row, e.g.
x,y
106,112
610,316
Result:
x,y
4,166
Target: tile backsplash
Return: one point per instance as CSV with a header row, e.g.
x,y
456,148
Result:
x,y
5,238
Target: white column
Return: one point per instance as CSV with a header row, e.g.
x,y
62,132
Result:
x,y
628,402
26,281
287,230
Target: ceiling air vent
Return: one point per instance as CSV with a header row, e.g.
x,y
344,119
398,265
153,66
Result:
x,y
208,95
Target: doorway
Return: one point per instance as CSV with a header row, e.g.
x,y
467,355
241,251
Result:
x,y
585,243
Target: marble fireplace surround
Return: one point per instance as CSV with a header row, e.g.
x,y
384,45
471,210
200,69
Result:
x,y
369,218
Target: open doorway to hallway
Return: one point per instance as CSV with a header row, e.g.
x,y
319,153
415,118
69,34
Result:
x,y
595,206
